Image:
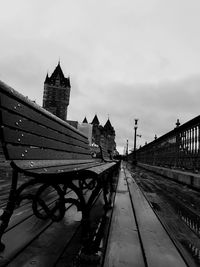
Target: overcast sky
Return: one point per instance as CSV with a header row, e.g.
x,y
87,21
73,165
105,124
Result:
x,y
126,58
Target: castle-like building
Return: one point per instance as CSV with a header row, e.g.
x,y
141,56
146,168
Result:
x,y
104,133
56,100
57,93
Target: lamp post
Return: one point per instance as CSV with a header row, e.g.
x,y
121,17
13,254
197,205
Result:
x,y
127,149
135,136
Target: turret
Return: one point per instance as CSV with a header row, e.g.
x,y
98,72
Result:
x,y
57,93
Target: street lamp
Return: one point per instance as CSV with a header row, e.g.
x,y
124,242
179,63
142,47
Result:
x,y
135,136
127,148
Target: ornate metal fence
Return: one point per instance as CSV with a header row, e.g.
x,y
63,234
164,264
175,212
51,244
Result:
x,y
179,148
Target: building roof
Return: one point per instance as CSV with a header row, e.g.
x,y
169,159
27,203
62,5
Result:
x,y
109,127
57,75
95,121
85,120
47,78
108,124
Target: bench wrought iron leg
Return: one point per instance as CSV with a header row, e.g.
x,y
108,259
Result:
x,y
5,217
85,225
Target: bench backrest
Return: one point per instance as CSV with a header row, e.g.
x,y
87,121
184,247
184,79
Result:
x,y
29,132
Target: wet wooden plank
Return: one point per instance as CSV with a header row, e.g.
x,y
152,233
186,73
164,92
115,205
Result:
x,y
35,153
20,123
46,249
53,243
21,138
102,168
18,237
124,248
38,164
159,249
69,256
28,110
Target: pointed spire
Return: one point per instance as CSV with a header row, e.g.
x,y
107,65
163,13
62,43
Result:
x,y
85,120
95,121
178,123
47,78
108,124
109,128
58,74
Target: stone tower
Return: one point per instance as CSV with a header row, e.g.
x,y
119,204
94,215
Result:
x,y
109,134
57,93
96,130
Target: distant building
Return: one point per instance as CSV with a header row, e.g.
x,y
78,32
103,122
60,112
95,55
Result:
x,y
104,133
86,129
73,123
97,130
85,120
57,93
109,134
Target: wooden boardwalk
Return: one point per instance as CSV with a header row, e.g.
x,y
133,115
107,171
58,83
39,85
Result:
x,y
137,237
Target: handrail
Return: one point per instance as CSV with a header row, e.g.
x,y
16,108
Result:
x,y
179,148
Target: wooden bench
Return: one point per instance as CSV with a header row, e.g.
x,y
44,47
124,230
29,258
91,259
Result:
x,y
136,235
54,156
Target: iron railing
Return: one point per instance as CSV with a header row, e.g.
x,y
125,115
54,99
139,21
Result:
x,y
179,148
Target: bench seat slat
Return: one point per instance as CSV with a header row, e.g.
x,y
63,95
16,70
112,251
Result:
x,y
66,169
42,116
87,168
20,123
31,168
38,164
102,168
21,138
32,153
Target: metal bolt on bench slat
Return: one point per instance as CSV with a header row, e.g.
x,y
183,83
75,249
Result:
x,y
31,163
